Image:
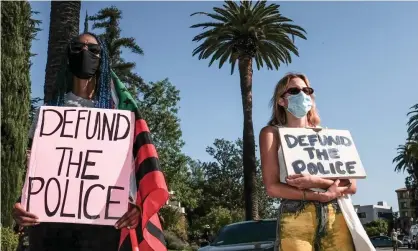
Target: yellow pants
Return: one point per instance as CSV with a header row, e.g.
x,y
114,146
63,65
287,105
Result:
x,y
312,226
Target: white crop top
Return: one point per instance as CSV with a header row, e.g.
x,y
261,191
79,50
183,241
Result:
x,y
282,165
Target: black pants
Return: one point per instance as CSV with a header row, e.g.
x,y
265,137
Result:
x,y
73,237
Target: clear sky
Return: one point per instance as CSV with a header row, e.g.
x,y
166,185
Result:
x,y
361,58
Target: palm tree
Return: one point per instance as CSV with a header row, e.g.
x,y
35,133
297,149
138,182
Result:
x,y
240,33
407,158
64,25
108,18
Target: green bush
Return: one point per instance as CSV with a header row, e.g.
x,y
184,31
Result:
x,y
175,222
372,231
193,247
219,217
376,227
9,240
174,242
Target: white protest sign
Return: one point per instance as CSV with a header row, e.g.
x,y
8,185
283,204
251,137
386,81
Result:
x,y
327,153
80,165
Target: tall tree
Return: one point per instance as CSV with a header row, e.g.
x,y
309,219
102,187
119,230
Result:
x,y
242,33
18,30
64,25
159,100
108,19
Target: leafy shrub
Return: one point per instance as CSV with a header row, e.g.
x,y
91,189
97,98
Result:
x,y
9,240
376,227
175,222
174,242
193,247
372,231
219,217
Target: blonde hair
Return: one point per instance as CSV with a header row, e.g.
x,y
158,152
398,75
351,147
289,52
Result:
x,y
278,116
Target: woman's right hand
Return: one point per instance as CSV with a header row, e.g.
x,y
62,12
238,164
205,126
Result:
x,y
333,192
22,217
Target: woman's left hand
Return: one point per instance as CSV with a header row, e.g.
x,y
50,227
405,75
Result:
x,y
303,181
130,219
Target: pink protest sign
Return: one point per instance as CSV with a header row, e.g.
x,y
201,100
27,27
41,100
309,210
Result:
x,y
80,165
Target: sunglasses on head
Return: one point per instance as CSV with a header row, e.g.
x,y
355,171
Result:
x,y
76,47
295,91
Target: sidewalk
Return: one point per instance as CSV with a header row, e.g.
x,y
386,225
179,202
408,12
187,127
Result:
x,y
390,248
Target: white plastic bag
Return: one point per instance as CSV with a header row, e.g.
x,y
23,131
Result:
x,y
360,238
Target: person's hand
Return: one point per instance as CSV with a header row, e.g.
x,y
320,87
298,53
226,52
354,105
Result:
x,y
333,192
302,181
22,217
130,219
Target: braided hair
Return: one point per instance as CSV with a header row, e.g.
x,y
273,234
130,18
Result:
x,y
64,81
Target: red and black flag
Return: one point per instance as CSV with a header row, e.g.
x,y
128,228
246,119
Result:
x,y
152,191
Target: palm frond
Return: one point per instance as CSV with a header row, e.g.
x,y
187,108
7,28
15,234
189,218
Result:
x,y
413,122
407,157
401,159
205,25
233,60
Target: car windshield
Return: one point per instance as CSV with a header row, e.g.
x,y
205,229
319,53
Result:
x,y
260,231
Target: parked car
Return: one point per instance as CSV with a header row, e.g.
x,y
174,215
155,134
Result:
x,y
248,235
383,241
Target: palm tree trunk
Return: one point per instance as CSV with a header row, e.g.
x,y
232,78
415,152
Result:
x,y
64,25
249,160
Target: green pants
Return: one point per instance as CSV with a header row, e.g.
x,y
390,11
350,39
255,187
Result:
x,y
312,226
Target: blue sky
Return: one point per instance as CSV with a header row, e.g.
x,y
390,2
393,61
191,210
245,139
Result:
x,y
361,58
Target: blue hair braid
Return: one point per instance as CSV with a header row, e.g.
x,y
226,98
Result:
x,y
103,93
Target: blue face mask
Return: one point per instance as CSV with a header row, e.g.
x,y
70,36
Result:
x,y
299,105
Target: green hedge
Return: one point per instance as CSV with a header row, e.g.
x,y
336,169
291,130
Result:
x,y
9,240
16,37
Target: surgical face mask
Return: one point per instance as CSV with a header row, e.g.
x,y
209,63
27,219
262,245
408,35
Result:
x,y
299,105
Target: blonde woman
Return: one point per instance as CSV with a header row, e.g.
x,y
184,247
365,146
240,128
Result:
x,y
310,217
